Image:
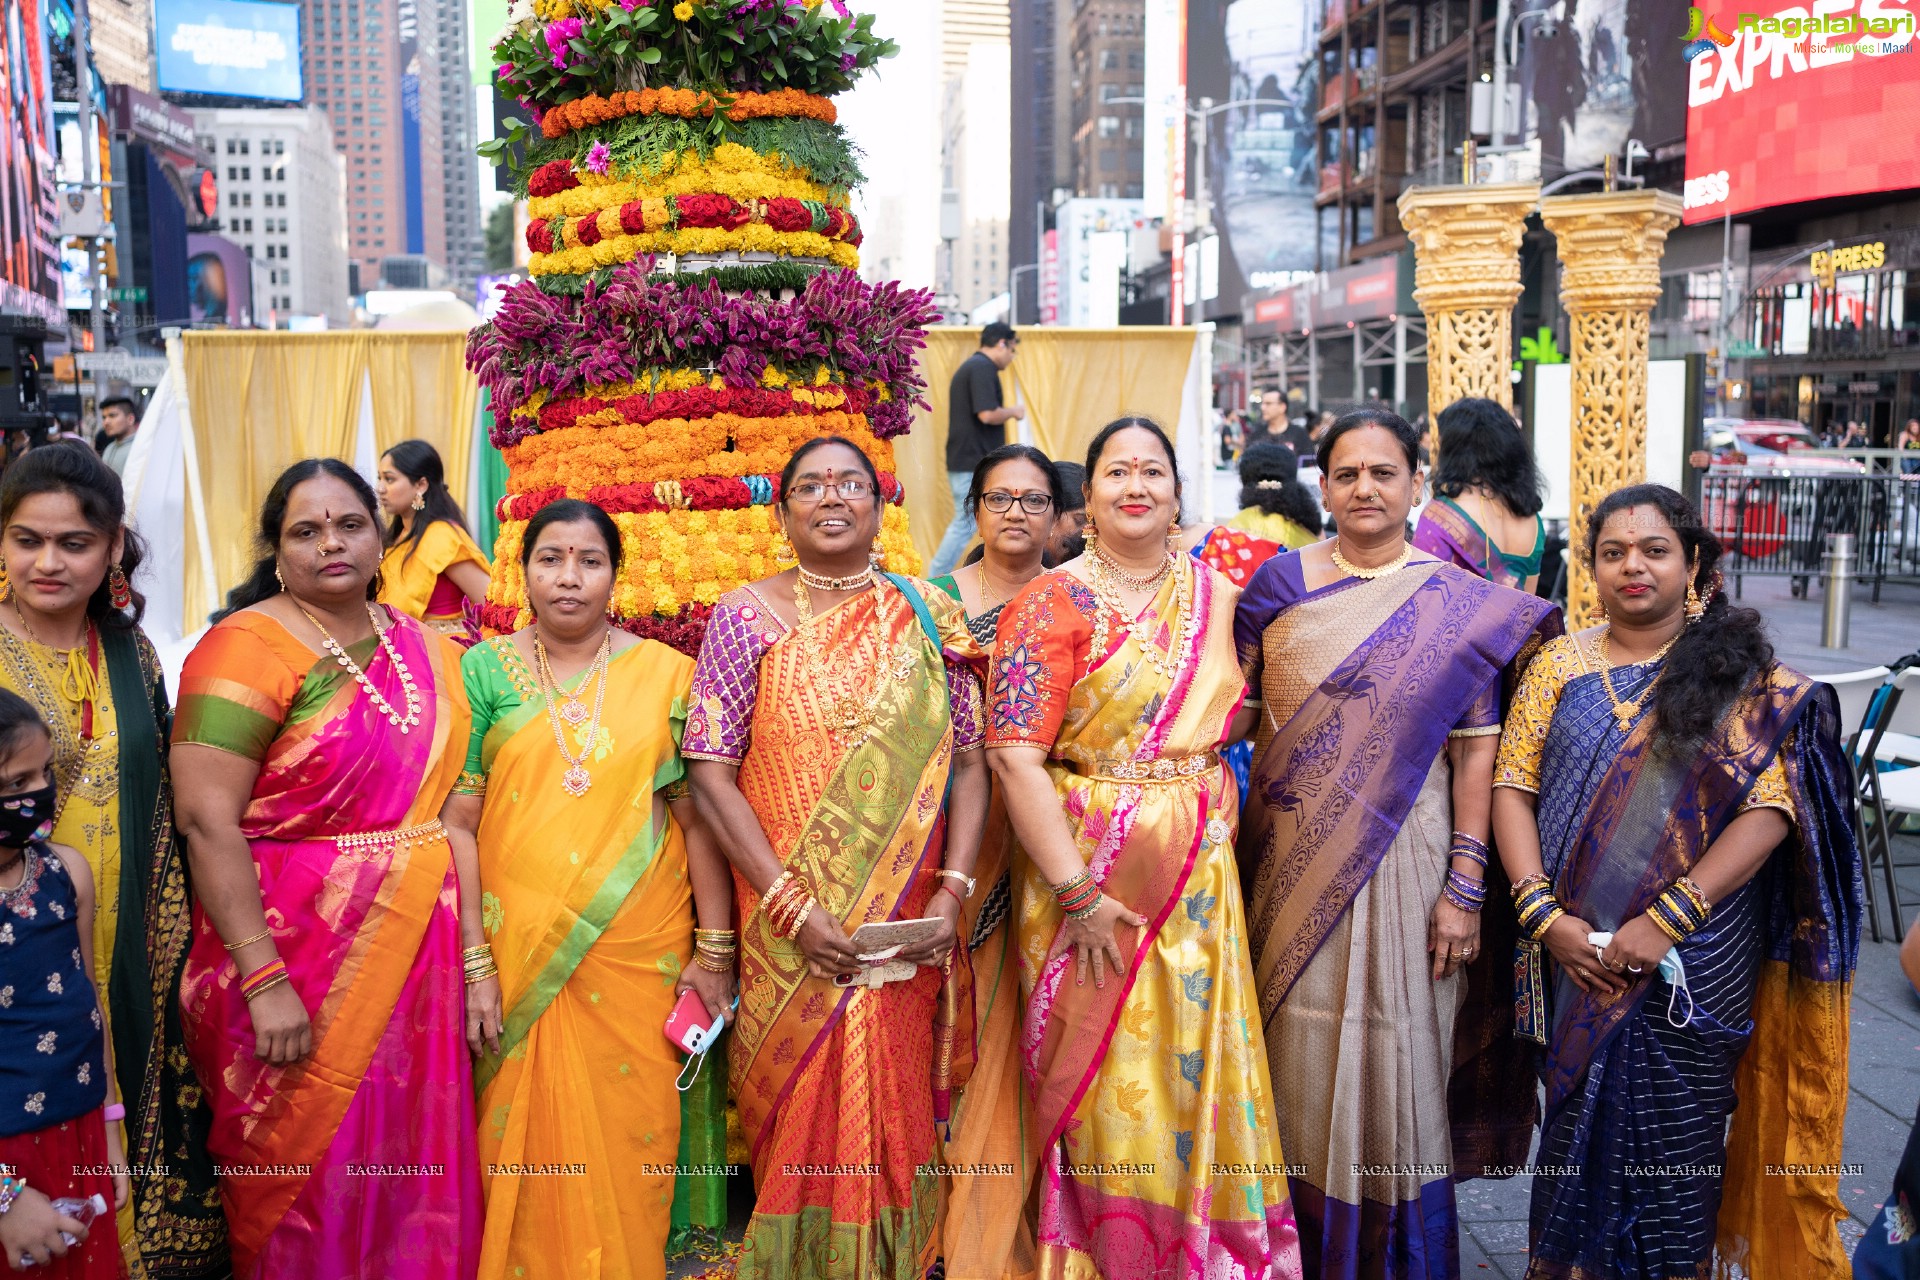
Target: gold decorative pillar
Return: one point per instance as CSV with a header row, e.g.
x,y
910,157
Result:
x,y
1610,250
1466,277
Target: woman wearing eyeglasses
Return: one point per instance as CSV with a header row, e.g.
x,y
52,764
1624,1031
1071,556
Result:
x,y
833,712
1015,497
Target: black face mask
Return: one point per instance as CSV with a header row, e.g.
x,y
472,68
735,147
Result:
x,y
26,817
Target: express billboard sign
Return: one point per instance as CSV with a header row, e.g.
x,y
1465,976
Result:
x,y
1800,103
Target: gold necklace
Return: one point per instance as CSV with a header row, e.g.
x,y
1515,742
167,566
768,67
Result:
x,y
576,779
850,716
1624,712
1353,570
380,703
852,582
1132,581
1168,664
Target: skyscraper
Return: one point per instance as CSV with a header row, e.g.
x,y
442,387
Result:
x,y
975,66
384,70
122,43
466,246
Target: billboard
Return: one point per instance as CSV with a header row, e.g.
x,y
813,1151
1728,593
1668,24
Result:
x,y
219,281
1792,108
1595,73
233,48
30,268
1260,164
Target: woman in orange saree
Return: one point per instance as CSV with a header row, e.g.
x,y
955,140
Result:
x,y
827,785
322,996
1115,685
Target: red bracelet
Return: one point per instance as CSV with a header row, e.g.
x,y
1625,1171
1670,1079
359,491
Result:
x,y
948,886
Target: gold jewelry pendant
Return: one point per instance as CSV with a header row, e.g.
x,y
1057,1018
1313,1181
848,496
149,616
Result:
x,y
573,711
576,781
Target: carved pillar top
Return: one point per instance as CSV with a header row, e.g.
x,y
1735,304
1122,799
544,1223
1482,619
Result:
x,y
1466,243
1610,247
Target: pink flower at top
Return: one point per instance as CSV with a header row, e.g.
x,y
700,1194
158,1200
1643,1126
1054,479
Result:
x,y
558,33
598,157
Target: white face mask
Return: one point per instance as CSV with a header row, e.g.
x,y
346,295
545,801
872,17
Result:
x,y
1670,968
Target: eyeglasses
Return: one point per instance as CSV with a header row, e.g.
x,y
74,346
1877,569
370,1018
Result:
x,y
999,500
814,491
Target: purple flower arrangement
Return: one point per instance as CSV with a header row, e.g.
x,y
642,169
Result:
x,y
613,333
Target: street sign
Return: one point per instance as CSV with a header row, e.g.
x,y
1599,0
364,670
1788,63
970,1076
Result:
x,y
1745,351
120,366
138,293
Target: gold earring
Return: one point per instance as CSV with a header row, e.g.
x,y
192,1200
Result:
x,y
1173,538
1090,534
783,554
419,502
878,553
277,578
1696,607
6,585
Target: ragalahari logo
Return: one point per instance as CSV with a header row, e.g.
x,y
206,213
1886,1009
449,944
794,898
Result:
x,y
1698,25
1703,33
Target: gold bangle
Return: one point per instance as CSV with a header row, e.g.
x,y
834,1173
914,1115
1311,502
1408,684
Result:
x,y
279,979
261,936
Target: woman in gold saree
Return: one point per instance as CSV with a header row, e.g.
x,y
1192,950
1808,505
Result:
x,y
845,791
1114,687
589,887
1365,844
71,644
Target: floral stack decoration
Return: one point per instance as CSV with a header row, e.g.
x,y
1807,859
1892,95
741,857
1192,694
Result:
x,y
694,313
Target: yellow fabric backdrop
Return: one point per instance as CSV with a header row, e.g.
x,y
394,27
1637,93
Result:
x,y
261,401
1072,381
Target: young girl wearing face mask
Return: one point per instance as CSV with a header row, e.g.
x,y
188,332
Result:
x,y
55,1102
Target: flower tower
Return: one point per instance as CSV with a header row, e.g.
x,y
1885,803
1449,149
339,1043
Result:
x,y
693,314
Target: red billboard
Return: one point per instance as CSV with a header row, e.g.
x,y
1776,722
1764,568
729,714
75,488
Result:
x,y
1784,107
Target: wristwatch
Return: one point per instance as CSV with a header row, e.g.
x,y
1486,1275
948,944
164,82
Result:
x,y
961,876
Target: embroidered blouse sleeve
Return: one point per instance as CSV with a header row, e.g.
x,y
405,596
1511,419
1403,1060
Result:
x,y
1482,719
479,671
235,693
726,682
1524,736
1770,790
1039,651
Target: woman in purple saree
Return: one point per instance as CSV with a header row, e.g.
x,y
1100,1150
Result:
x,y
1381,675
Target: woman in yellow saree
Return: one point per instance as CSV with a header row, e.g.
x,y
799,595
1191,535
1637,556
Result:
x,y
828,783
588,898
1114,687
433,569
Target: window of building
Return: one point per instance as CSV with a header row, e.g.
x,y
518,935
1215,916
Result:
x,y
246,170
1132,128
1109,59
244,146
1109,126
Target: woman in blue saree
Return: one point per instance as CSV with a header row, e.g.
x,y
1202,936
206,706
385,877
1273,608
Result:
x,y
1485,513
1363,847
1672,806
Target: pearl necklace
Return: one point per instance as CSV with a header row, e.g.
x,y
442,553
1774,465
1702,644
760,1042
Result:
x,y
380,703
576,779
1167,664
1624,712
1353,570
852,582
1131,581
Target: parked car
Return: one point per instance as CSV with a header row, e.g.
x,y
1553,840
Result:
x,y
1773,445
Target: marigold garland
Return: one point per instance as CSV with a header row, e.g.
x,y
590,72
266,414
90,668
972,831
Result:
x,y
609,221
701,402
689,103
600,192
618,453
753,238
675,558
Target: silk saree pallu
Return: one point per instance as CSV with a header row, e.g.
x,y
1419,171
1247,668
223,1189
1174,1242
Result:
x,y
414,579
1153,1113
587,904
117,810
846,764
1639,1086
1344,848
359,1159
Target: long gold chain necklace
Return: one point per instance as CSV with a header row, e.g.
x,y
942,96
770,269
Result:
x,y
1168,664
380,703
576,779
1353,570
851,716
1624,712
1132,581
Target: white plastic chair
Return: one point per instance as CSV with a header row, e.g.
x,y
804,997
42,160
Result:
x,y
1856,690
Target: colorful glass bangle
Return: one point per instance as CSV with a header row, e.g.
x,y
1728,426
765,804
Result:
x,y
1528,883
260,979
1463,891
1473,846
481,975
1696,895
1539,929
1088,910
10,1189
114,1111
278,981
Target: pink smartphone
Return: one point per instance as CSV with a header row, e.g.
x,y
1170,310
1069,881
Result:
x,y
690,1027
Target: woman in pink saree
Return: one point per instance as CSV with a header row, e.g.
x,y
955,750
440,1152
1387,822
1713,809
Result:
x,y
317,737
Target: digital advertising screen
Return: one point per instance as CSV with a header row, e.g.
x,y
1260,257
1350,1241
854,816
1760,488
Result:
x,y
234,48
1783,108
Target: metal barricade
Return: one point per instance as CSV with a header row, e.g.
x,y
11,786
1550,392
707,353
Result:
x,y
1775,524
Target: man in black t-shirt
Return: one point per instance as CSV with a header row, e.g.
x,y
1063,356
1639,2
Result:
x,y
976,426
